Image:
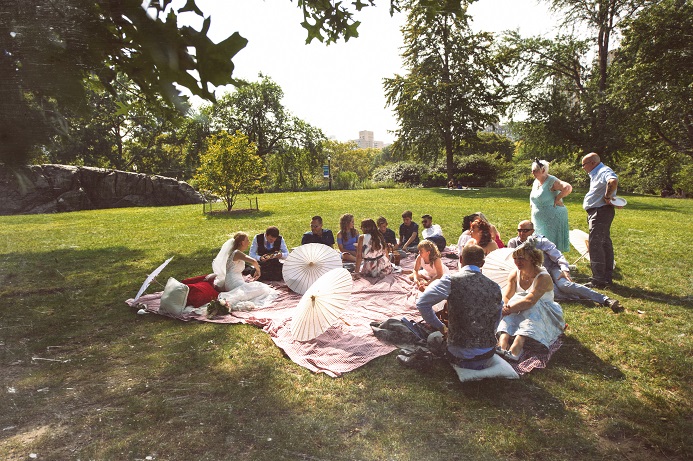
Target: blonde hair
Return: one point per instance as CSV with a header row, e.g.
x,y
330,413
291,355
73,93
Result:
x,y
531,253
238,238
432,249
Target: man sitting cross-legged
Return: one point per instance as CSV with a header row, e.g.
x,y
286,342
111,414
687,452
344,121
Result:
x,y
556,265
474,311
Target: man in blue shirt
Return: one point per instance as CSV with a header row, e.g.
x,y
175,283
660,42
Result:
x,y
474,311
317,234
600,215
557,266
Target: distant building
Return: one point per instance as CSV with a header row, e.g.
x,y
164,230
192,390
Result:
x,y
366,141
500,129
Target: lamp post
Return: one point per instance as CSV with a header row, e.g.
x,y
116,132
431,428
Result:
x,y
329,171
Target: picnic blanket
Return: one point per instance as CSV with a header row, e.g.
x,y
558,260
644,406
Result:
x,y
346,345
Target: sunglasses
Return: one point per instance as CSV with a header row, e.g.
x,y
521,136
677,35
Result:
x,y
522,231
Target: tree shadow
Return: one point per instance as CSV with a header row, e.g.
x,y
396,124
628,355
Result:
x,y
237,214
576,356
650,295
481,193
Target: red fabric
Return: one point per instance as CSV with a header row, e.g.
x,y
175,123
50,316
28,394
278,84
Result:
x,y
201,291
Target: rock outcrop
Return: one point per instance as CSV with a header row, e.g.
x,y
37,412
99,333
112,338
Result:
x,y
57,188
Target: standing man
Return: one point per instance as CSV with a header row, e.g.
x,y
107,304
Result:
x,y
600,214
317,234
474,311
408,233
268,249
557,266
433,232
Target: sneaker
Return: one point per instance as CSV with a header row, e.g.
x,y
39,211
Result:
x,y
416,361
614,305
511,357
599,285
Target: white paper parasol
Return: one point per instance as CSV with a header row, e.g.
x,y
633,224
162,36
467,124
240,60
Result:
x,y
498,265
151,277
323,303
307,263
580,241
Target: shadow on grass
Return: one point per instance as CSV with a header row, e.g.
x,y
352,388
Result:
x,y
481,193
237,214
649,295
574,355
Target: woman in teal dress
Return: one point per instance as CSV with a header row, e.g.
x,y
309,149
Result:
x,y
549,214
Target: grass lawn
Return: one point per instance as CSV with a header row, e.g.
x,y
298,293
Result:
x,y
84,377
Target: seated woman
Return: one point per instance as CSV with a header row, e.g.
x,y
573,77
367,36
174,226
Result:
x,y
228,269
372,251
428,266
529,310
480,233
465,236
347,237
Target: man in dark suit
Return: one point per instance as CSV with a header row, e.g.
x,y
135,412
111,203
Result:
x,y
268,249
474,310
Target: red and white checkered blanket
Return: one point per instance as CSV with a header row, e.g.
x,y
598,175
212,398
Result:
x,y
343,347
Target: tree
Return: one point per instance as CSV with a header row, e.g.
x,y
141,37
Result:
x,y
290,146
230,167
454,83
565,95
654,75
124,129
345,157
48,47
255,109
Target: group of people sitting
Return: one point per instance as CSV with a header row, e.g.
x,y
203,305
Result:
x,y
481,319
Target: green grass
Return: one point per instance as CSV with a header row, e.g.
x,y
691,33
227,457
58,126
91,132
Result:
x,y
125,386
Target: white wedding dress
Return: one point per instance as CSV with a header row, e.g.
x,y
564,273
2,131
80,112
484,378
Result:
x,y
241,296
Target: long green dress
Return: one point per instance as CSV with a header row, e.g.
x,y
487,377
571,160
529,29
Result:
x,y
549,220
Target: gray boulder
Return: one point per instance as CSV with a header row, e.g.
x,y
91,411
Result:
x,y
57,188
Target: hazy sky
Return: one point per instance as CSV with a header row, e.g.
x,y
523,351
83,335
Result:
x,y
338,88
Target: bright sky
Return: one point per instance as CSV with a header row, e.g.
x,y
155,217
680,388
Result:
x,y
338,88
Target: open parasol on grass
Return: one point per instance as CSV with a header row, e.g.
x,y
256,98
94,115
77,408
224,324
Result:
x,y
151,277
498,265
580,241
323,303
307,263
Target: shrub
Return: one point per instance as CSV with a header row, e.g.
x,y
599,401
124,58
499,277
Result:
x,y
477,170
401,172
346,180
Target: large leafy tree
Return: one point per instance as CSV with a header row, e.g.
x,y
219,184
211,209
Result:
x,y
453,87
291,147
230,167
566,94
124,129
256,109
48,47
654,75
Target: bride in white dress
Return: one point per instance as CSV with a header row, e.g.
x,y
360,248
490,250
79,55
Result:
x,y
228,267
